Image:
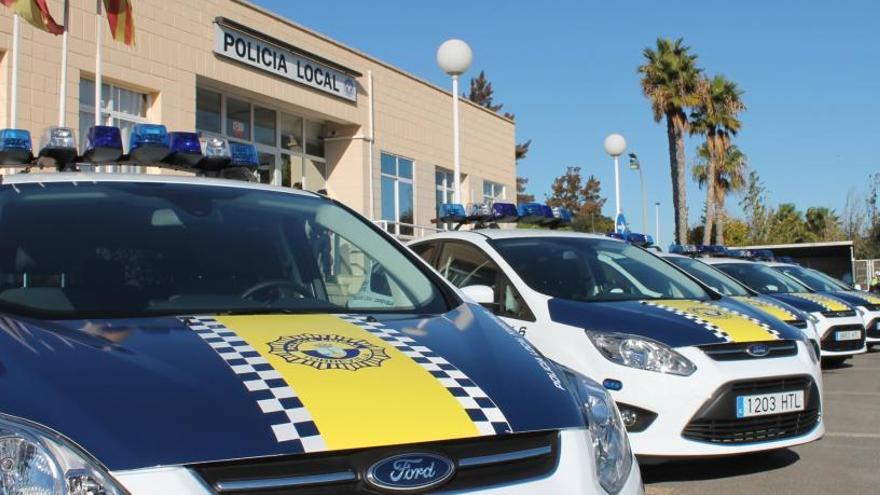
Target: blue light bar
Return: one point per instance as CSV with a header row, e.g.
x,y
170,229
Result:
x,y
148,143
562,214
534,212
15,147
711,250
479,212
451,212
243,155
504,212
685,249
59,144
216,152
186,149
103,144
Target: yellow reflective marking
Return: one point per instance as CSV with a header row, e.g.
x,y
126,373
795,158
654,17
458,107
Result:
x,y
360,390
767,307
867,297
738,327
828,303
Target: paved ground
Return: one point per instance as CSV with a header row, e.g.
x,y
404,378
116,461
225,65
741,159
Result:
x,y
846,461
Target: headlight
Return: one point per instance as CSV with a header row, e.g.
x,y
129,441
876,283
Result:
x,y
812,317
641,353
610,443
35,460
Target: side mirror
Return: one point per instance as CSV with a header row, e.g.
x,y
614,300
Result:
x,y
858,287
480,294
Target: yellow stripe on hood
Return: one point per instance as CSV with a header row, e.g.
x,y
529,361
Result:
x,y
772,309
360,390
736,326
870,298
826,302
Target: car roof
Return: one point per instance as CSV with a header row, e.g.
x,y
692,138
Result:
x,y
510,234
718,261
96,177
671,255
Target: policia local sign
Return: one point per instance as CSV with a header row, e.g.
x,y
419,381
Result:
x,y
243,47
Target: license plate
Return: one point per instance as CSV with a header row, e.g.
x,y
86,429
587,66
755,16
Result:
x,y
765,404
847,335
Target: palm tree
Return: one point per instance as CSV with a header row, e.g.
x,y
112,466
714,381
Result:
x,y
670,77
730,177
716,117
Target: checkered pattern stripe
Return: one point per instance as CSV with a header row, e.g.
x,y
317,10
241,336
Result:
x,y
715,329
288,418
483,411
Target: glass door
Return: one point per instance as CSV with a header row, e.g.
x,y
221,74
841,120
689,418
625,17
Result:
x,y
267,170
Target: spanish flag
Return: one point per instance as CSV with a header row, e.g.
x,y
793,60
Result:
x,y
121,20
35,12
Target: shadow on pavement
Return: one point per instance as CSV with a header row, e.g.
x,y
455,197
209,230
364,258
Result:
x,y
719,467
826,366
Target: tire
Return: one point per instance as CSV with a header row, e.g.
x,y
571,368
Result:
x,y
833,361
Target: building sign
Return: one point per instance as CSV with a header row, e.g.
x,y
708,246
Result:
x,y
242,47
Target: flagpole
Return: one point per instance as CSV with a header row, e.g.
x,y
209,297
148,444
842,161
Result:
x,y
16,40
98,82
62,104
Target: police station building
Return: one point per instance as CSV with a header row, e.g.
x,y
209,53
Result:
x,y
322,115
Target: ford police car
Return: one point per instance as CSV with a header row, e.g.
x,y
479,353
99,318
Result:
x,y
693,374
725,285
174,335
867,304
840,328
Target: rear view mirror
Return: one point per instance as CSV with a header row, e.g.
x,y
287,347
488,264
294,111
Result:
x,y
480,294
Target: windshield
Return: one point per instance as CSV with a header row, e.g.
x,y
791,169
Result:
x,y
117,249
809,278
762,278
717,280
594,269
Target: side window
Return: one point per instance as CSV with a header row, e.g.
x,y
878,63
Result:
x,y
426,251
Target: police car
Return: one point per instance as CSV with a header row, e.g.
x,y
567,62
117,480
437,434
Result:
x,y
725,285
190,335
840,327
692,373
867,304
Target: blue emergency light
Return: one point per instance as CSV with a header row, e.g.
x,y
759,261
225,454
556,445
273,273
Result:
x,y
215,150
504,212
243,155
186,150
148,143
562,214
451,212
15,147
103,144
479,212
711,250
59,144
534,213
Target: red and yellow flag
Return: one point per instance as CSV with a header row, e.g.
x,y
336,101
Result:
x,y
35,12
121,20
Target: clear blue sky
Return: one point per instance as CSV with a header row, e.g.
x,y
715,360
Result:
x,y
567,69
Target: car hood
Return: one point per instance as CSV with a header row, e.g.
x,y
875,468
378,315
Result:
x,y
812,302
773,307
169,391
855,298
677,323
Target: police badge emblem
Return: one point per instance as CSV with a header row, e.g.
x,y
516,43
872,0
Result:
x,y
328,352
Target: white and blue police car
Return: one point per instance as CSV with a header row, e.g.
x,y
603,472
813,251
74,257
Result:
x,y
694,374
189,335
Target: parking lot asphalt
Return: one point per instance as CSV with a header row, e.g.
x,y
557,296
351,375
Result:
x,y
846,461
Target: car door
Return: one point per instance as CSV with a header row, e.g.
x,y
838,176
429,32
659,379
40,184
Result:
x,y
465,264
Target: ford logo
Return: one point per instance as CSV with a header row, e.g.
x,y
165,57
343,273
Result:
x,y
757,350
410,472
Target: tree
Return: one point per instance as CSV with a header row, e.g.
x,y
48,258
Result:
x,y
670,79
757,215
729,178
567,190
787,225
736,232
592,197
717,117
823,224
521,196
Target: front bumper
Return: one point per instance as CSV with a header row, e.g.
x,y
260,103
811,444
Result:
x,y
678,401
871,320
826,328
574,474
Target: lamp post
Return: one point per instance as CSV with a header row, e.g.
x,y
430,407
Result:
x,y
635,165
615,145
657,223
454,57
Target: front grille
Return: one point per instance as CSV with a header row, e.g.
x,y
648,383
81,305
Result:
x,y
831,345
716,421
839,314
740,351
801,324
480,463
872,330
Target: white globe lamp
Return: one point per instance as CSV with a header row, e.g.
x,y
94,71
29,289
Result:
x,y
454,57
615,145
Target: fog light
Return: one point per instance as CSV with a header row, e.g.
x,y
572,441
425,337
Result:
x,y
630,417
635,419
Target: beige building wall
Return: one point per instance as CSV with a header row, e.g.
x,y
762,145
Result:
x,y
174,54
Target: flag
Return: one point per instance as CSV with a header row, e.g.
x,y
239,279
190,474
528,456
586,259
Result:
x,y
121,20
35,12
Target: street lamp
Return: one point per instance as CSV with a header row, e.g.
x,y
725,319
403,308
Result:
x,y
615,145
635,165
657,223
454,57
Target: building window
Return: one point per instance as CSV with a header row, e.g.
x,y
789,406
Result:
x,y
208,110
120,107
238,119
492,192
444,181
397,194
